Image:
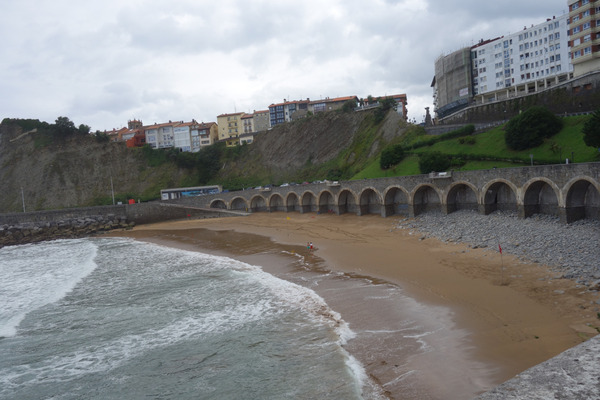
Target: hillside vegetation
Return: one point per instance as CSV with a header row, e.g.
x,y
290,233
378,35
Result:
x,y
48,168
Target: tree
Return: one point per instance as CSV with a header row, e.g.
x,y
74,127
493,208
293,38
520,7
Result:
x,y
433,162
348,106
84,129
385,105
391,155
102,137
591,130
530,128
64,127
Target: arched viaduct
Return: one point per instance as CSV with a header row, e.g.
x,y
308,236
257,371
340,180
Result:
x,y
571,192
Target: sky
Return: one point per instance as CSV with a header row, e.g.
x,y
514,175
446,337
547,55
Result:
x,y
103,63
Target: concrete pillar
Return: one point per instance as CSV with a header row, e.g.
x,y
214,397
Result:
x,y
447,208
486,209
411,211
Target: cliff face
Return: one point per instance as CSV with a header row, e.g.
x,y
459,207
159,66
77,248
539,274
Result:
x,y
294,151
77,171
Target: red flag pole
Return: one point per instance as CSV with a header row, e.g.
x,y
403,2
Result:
x,y
502,261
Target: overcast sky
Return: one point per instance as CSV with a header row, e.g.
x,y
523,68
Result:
x,y
102,63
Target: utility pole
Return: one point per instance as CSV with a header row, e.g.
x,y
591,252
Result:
x,y
23,198
112,190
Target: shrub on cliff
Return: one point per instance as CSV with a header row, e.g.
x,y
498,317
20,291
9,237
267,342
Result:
x,y
530,128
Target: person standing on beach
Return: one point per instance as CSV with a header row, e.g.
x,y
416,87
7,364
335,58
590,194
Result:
x,y
311,246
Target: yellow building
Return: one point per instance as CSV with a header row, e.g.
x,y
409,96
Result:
x,y
230,128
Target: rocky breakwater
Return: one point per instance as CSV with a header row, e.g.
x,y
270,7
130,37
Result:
x,y
67,228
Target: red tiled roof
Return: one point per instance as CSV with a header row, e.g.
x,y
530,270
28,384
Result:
x,y
289,102
335,100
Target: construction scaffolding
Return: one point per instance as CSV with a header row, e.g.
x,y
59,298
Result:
x,y
452,81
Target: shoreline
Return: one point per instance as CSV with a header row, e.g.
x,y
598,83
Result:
x,y
492,329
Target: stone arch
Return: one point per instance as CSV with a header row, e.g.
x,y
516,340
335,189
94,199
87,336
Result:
x,y
462,196
395,201
308,202
500,195
276,203
258,203
369,201
582,199
239,203
326,202
291,202
425,198
346,202
540,196
218,203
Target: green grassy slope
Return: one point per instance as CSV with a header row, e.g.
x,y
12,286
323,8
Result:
x,y
568,143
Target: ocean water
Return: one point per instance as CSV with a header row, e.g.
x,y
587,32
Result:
x,y
110,318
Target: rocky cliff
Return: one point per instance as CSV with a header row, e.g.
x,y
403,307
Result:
x,y
308,148
73,172
79,171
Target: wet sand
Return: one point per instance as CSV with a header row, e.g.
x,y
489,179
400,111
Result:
x,y
433,320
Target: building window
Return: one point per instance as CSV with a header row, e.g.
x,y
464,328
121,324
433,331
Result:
x,y
587,25
587,51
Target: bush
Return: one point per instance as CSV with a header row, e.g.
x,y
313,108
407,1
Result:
x,y
348,106
433,162
468,140
102,137
591,130
530,128
391,155
385,106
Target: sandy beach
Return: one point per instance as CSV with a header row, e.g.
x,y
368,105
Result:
x,y
485,318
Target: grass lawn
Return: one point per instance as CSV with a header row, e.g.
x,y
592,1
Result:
x,y
553,150
568,143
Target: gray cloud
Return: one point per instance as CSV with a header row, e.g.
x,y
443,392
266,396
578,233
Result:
x,y
102,63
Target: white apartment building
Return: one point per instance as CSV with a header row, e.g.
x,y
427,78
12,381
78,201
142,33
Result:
x,y
160,136
183,139
521,63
